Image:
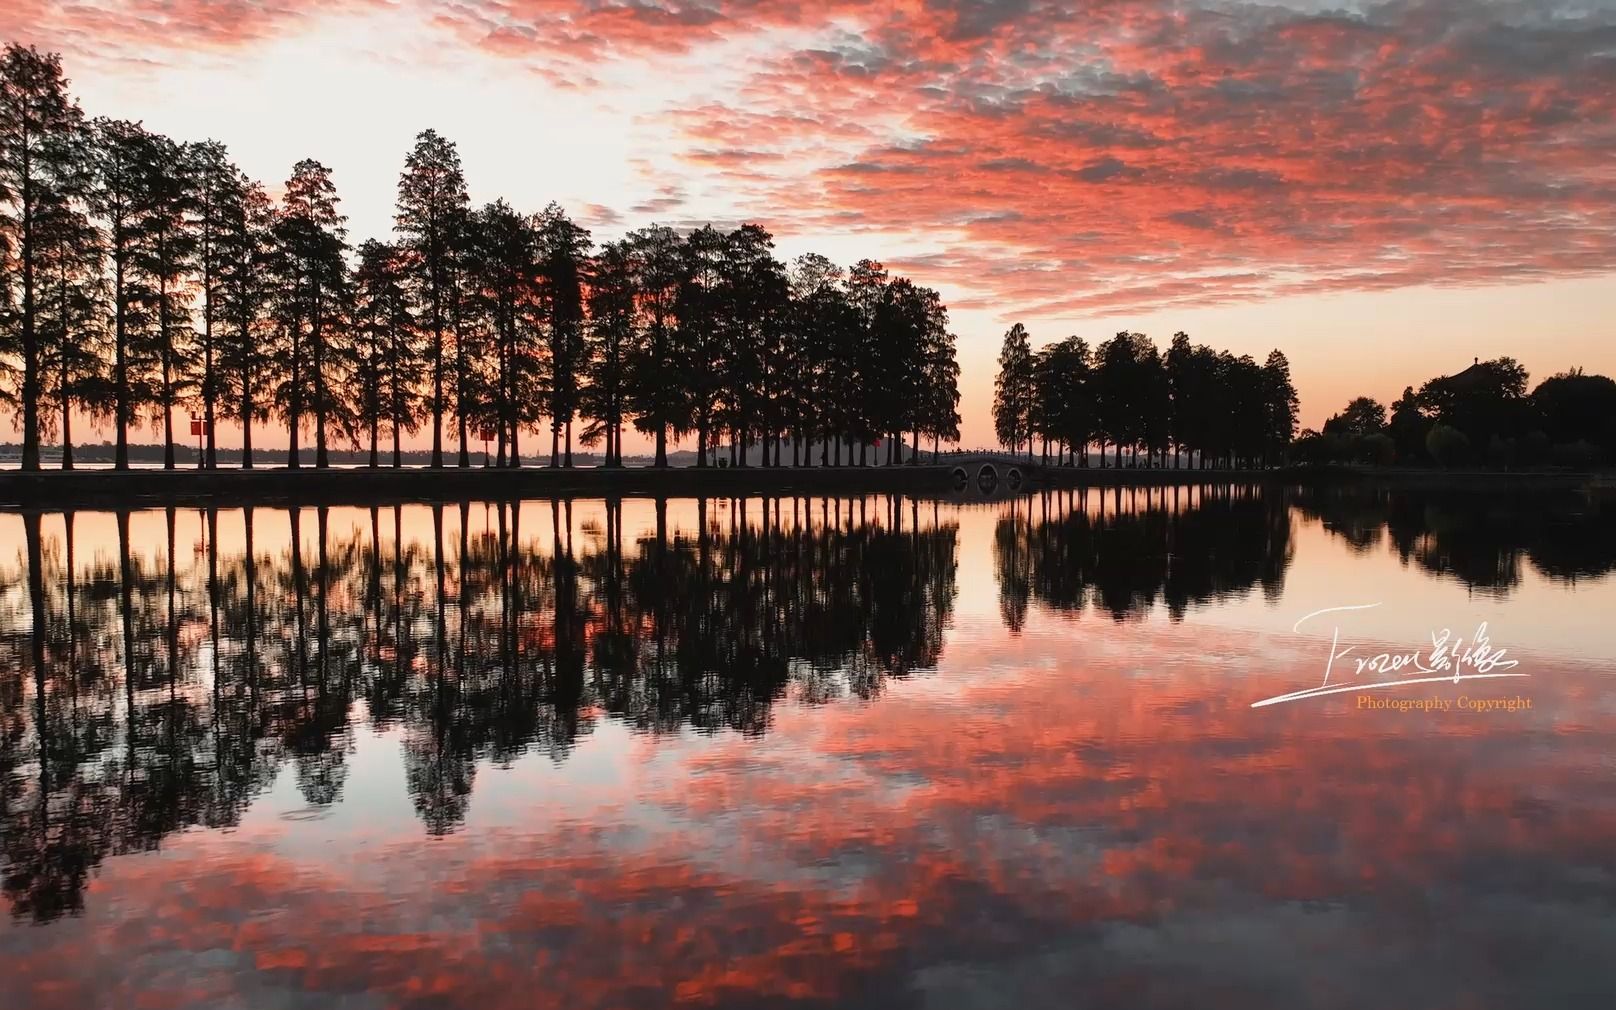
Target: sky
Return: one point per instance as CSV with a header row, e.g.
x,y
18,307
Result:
x,y
1384,191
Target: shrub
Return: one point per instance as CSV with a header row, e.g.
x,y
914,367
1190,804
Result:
x,y
1448,446
1578,455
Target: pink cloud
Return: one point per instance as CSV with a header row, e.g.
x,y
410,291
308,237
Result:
x,y
1077,157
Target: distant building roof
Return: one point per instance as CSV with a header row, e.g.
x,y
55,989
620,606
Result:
x,y
1476,374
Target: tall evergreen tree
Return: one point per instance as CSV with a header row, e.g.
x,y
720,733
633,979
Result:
x,y
1280,404
1130,397
312,238
215,194
1245,409
657,401
120,162
563,253
1155,402
1181,390
1074,414
386,355
1013,390
752,293
431,207
700,337
71,322
243,341
866,291
502,269
940,393
1047,391
40,169
907,315
823,338
167,258
612,294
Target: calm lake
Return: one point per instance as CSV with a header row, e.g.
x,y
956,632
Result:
x,y
874,752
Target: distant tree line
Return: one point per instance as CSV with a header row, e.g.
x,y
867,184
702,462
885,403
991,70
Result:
x,y
141,277
1203,407
1482,415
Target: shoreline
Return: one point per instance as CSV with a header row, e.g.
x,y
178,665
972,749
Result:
x,y
280,485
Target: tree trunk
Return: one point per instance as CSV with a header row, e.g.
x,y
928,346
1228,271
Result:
x,y
321,460
246,428
67,417
465,447
30,334
211,459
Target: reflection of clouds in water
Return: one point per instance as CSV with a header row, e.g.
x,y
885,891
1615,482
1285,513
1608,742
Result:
x,y
1087,806
1173,860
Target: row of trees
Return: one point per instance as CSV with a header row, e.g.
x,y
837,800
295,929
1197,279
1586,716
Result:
x,y
140,277
1127,395
1481,415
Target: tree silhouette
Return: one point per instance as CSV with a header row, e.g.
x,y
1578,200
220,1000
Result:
x,y
1063,396
700,337
563,251
119,155
39,173
432,202
659,405
936,408
1575,406
215,196
386,355
1128,382
825,332
71,314
501,268
1361,416
611,338
245,337
1013,391
166,258
314,289
1280,405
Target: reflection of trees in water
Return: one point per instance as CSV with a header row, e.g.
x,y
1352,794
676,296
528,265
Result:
x,y
1480,540
1121,550
139,697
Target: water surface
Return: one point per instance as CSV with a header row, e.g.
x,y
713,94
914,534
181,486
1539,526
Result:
x,y
856,752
